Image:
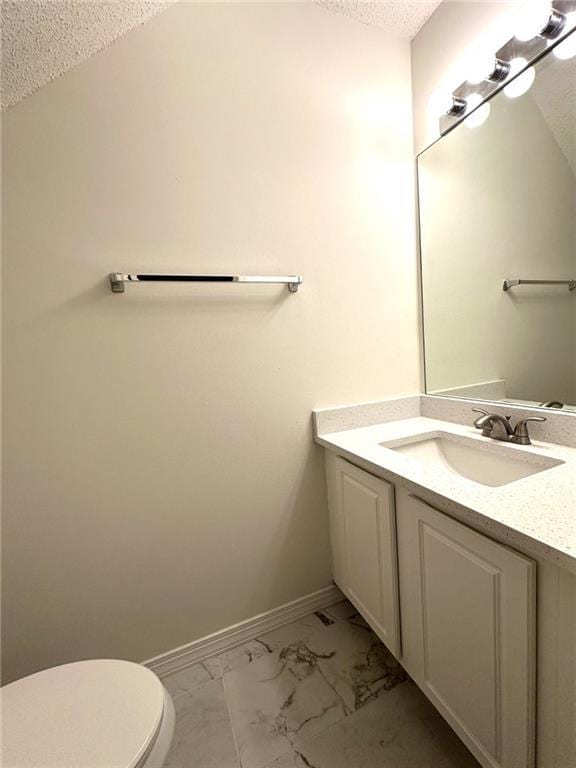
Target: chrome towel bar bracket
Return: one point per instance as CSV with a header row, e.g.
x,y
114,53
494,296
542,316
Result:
x,y
118,280
507,284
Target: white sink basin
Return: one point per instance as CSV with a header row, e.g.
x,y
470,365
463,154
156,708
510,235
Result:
x,y
491,464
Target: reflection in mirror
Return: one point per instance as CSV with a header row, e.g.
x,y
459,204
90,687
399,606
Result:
x,y
497,198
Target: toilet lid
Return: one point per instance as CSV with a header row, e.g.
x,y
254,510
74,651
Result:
x,y
91,714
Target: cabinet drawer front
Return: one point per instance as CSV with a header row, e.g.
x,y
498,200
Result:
x,y
476,601
371,566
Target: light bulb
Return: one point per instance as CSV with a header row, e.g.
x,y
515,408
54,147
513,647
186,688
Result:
x,y
479,116
473,101
481,67
523,82
567,48
517,65
537,17
476,118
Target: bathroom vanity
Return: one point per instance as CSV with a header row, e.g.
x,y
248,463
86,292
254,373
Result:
x,y
460,552
452,534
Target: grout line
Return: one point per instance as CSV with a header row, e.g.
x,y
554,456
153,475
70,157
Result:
x,y
216,658
175,696
236,747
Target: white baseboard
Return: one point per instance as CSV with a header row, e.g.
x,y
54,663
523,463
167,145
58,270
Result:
x,y
198,650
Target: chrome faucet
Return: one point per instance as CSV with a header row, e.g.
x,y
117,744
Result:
x,y
493,425
499,427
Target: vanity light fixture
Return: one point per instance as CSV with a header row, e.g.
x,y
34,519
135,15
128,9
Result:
x,y
457,106
481,111
489,68
539,19
445,103
567,48
500,71
517,65
543,24
523,82
473,101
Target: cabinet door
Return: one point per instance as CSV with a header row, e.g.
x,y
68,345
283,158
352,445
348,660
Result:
x,y
470,615
367,548
336,519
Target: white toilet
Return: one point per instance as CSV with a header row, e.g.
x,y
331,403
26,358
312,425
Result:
x,y
91,714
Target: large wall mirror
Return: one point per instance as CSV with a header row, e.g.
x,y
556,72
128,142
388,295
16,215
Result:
x,y
497,199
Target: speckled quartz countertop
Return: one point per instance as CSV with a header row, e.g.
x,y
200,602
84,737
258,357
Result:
x,y
536,514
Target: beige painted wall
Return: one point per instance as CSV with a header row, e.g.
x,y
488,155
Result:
x,y
442,47
160,477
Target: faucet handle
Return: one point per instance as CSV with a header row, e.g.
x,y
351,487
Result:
x,y
532,418
477,422
521,435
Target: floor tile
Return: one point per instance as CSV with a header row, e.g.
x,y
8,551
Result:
x,y
269,642
244,654
184,681
321,692
359,621
277,701
306,686
342,610
203,736
355,663
399,730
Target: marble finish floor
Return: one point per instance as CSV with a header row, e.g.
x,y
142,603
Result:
x,y
321,692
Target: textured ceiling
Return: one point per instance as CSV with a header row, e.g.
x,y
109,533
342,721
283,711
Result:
x,y
398,17
42,39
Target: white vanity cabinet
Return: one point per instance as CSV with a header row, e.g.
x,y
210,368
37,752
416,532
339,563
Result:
x,y
467,607
363,532
468,623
